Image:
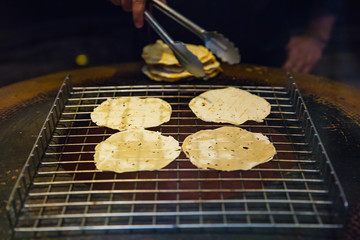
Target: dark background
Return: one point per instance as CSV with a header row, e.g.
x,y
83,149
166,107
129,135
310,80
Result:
x,y
39,37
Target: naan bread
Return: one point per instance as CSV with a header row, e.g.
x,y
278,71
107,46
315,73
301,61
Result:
x,y
228,149
229,105
136,150
131,112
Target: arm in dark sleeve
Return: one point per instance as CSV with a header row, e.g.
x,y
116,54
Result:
x,y
311,34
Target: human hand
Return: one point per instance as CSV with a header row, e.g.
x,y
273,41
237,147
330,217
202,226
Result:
x,y
303,53
137,7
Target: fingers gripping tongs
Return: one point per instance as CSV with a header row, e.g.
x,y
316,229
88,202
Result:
x,y
214,41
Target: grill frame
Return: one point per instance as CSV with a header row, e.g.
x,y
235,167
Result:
x,y
306,196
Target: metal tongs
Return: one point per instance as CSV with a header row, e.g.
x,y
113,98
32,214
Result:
x,y
214,41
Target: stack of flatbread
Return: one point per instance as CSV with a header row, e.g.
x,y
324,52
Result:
x,y
162,65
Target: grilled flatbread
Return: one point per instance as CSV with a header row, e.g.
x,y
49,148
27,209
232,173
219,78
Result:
x,y
168,74
160,53
136,150
228,149
157,75
162,65
131,112
229,105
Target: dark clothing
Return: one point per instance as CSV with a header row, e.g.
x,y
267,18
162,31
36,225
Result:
x,y
260,28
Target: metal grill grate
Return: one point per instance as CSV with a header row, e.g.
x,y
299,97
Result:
x,y
59,189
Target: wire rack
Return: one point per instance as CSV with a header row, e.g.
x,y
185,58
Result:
x,y
59,190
